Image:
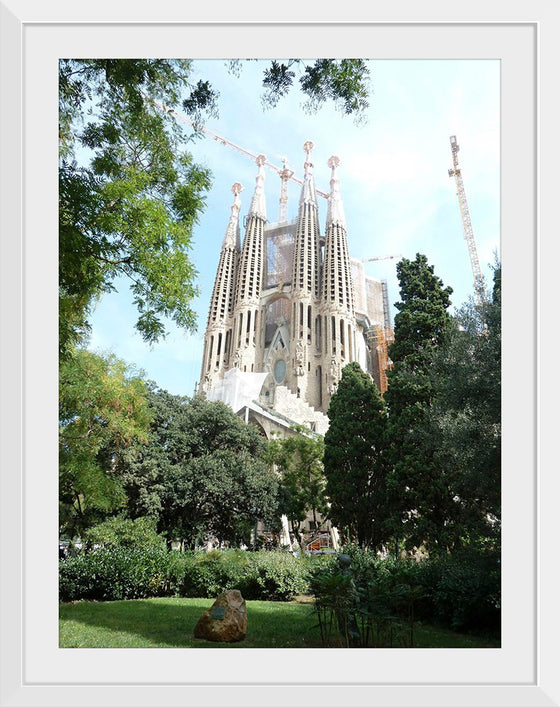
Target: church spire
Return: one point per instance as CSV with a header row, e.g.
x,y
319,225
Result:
x,y
218,337
221,303
337,279
258,203
305,276
308,195
231,238
335,210
337,291
246,310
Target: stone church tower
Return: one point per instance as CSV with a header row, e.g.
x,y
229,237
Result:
x,y
289,310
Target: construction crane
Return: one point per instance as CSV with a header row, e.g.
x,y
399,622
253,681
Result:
x,y
467,225
380,257
285,173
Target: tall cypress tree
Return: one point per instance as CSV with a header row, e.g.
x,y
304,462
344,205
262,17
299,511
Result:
x,y
354,459
419,497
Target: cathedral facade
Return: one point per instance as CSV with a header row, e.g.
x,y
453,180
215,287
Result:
x,y
289,309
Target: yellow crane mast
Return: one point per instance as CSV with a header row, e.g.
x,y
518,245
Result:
x,y
467,225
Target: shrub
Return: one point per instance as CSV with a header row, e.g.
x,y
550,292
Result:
x,y
123,532
113,573
208,574
371,605
108,574
275,576
377,603
260,575
463,590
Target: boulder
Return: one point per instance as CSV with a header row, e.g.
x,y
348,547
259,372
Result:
x,y
225,621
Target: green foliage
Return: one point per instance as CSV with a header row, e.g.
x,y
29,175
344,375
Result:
x,y
382,599
121,572
129,207
419,495
422,318
123,532
209,574
258,575
203,473
276,576
108,574
299,458
462,591
354,457
466,417
102,411
345,82
371,605
335,605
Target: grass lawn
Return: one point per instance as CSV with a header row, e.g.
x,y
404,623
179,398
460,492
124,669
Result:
x,y
169,623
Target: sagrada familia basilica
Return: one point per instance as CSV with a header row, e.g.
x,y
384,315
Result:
x,y
289,309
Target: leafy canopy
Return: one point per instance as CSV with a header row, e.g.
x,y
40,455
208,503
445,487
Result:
x,y
299,459
129,194
345,82
102,411
137,534
203,473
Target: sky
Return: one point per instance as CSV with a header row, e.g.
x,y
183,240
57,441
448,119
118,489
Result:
x,y
397,194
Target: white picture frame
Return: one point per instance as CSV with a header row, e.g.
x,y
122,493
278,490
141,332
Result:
x,y
34,670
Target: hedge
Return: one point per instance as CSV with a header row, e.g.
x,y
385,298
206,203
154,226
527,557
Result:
x,y
110,574
274,576
460,591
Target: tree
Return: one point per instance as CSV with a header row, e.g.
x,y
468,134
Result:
x,y
354,457
129,193
102,411
203,473
119,531
129,209
420,496
466,417
299,458
343,81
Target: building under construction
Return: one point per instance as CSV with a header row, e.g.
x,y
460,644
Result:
x,y
290,308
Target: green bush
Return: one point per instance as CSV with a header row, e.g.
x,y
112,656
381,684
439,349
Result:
x,y
275,576
463,591
139,533
386,595
113,573
109,574
370,605
207,574
260,575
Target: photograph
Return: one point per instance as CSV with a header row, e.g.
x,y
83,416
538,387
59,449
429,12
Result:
x,y
279,353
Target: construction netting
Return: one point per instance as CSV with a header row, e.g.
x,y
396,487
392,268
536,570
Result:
x,y
279,251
